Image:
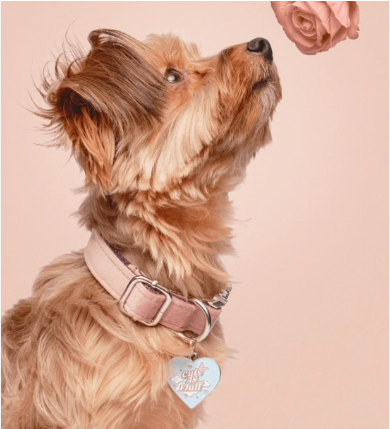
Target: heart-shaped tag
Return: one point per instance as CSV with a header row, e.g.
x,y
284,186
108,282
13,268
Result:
x,y
193,381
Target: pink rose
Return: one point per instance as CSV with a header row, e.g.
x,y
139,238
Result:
x,y
317,26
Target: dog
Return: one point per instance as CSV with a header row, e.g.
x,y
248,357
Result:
x,y
163,135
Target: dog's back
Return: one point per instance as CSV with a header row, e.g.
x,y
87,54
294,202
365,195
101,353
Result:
x,y
32,333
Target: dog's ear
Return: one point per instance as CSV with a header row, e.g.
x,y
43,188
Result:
x,y
98,99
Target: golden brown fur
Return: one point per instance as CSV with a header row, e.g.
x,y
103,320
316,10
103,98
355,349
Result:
x,y
159,161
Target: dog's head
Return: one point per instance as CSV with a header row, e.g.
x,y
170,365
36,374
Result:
x,y
157,117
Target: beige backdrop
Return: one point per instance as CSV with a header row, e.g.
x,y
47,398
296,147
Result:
x,y
308,314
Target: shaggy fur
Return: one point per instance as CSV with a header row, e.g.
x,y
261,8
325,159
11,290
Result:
x,y
163,135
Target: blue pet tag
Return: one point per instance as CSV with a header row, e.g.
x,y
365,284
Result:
x,y
193,381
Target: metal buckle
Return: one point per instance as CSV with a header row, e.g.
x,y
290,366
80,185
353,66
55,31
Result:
x,y
207,327
221,299
167,302
153,284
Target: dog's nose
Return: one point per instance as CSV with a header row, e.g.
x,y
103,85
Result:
x,y
262,46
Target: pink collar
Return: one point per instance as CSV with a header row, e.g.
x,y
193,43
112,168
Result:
x,y
145,300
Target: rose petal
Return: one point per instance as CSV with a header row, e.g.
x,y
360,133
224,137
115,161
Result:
x,y
320,28
311,34
335,25
301,18
303,23
354,15
338,37
307,50
321,32
281,9
304,6
284,14
296,36
317,8
324,14
340,10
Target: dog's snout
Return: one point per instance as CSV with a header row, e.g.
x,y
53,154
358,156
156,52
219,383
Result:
x,y
261,46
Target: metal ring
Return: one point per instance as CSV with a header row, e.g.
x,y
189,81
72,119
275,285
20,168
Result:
x,y
207,327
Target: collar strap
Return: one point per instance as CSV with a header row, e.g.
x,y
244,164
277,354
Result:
x,y
145,300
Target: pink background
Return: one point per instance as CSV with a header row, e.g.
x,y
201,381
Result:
x,y
309,313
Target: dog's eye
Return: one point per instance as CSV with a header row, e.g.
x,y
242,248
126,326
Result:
x,y
173,76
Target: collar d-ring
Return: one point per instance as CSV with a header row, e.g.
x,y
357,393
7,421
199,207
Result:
x,y
207,327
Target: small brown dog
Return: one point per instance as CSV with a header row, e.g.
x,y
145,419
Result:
x,y
163,135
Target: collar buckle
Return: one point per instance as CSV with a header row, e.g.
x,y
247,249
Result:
x,y
154,285
168,299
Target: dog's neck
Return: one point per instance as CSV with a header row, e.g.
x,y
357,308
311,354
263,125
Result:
x,y
176,242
